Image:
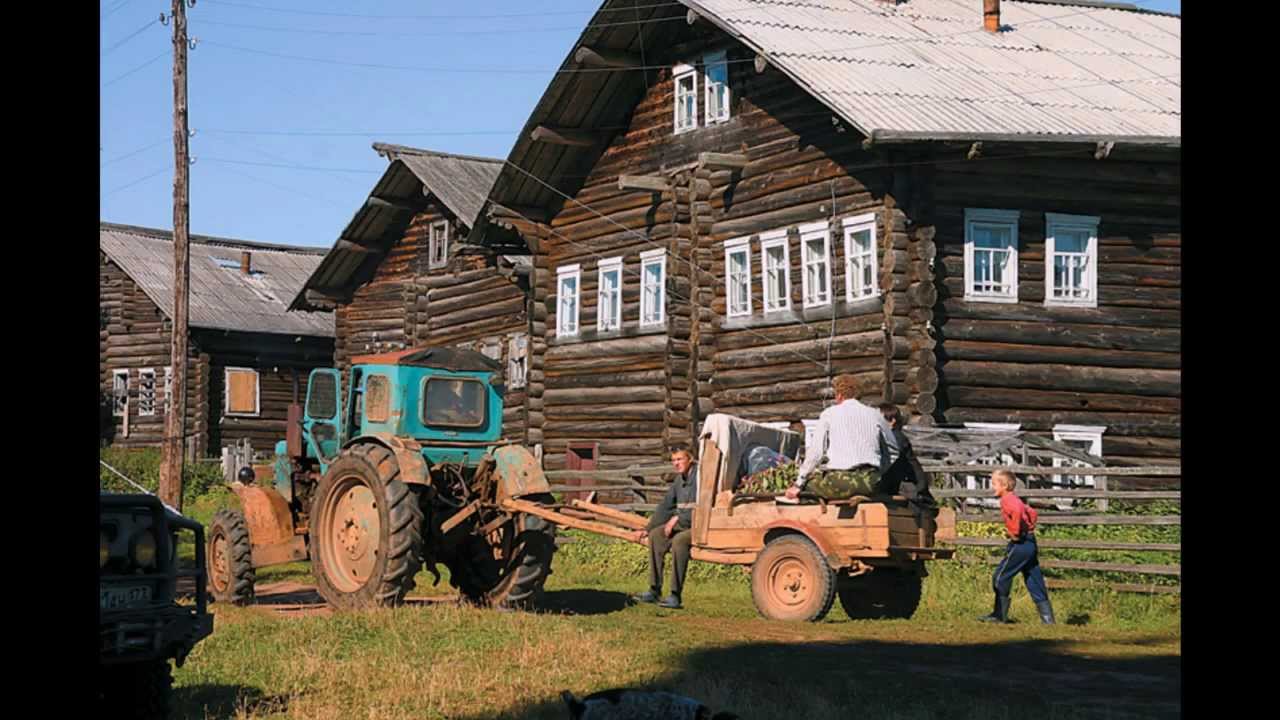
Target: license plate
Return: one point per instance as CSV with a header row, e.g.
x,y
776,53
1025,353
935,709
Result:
x,y
118,597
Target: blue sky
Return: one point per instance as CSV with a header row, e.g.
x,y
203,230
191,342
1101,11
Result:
x,y
282,144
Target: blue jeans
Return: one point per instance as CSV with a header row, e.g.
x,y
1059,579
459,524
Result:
x,y
1020,557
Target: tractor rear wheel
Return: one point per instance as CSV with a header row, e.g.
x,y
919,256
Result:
x,y
366,530
230,559
880,594
507,568
791,580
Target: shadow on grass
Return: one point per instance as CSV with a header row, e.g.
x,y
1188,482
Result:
x,y
891,680
584,601
198,702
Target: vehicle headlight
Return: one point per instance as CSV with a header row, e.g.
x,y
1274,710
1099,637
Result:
x,y
104,550
144,549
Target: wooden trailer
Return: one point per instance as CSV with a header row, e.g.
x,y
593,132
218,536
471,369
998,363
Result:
x,y
868,551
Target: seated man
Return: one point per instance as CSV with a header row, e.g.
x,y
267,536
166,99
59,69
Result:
x,y
907,477
856,443
671,528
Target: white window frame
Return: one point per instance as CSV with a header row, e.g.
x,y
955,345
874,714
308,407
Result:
x,y
613,321
142,374
678,73
566,325
983,482
649,258
733,247
119,403
709,60
772,239
518,361
850,226
226,392
983,216
1055,222
438,239
1078,433
168,388
809,232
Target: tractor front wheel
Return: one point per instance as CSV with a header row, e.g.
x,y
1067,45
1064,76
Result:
x,y
230,559
791,580
366,530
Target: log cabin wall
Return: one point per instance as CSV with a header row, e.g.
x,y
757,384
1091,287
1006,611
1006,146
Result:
x,y
471,302
134,335
1117,365
633,390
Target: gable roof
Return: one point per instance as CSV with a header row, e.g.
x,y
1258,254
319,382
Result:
x,y
1061,72
460,182
926,69
221,297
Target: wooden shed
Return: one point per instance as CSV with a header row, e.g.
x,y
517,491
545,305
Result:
x,y
400,276
249,356
976,213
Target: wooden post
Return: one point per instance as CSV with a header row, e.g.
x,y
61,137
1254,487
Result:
x,y
175,421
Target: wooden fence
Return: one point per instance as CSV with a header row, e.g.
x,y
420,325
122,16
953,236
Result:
x,y
638,488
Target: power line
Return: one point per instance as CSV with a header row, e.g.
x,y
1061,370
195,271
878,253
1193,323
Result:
x,y
131,183
106,14
131,153
290,166
488,16
120,77
380,33
278,186
131,36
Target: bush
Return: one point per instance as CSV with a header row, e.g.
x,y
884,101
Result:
x,y
142,465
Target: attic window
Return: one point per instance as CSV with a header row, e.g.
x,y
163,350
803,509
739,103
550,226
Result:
x,y
438,244
686,95
715,69
225,263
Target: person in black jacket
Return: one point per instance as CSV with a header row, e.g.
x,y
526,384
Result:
x,y
671,529
906,477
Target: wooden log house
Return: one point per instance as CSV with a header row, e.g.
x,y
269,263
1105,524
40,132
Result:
x,y
248,356
399,275
973,206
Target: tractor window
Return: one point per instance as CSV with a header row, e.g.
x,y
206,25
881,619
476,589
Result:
x,y
376,400
322,397
453,402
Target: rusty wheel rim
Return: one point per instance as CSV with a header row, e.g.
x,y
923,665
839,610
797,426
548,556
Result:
x,y
352,530
219,578
790,583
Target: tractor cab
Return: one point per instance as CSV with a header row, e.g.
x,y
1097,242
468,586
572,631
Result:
x,y
445,400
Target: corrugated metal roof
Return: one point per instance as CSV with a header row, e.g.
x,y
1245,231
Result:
x,y
925,68
222,298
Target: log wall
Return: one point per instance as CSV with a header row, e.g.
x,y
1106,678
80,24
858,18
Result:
x,y
1117,365
134,334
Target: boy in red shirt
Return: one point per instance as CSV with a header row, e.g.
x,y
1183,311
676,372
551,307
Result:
x,y
1021,555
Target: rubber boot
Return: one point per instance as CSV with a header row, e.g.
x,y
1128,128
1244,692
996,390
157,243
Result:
x,y
1000,613
1046,612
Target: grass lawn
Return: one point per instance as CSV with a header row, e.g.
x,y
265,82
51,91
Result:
x,y
1111,655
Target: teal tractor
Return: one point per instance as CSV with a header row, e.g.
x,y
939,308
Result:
x,y
407,471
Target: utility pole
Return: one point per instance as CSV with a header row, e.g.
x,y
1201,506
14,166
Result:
x,y
173,450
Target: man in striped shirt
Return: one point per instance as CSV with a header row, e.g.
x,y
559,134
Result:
x,y
856,443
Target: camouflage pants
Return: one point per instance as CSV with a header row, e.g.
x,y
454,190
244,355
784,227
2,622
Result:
x,y
841,484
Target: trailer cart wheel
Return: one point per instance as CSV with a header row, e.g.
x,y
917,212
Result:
x,y
230,559
791,580
366,530
881,593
